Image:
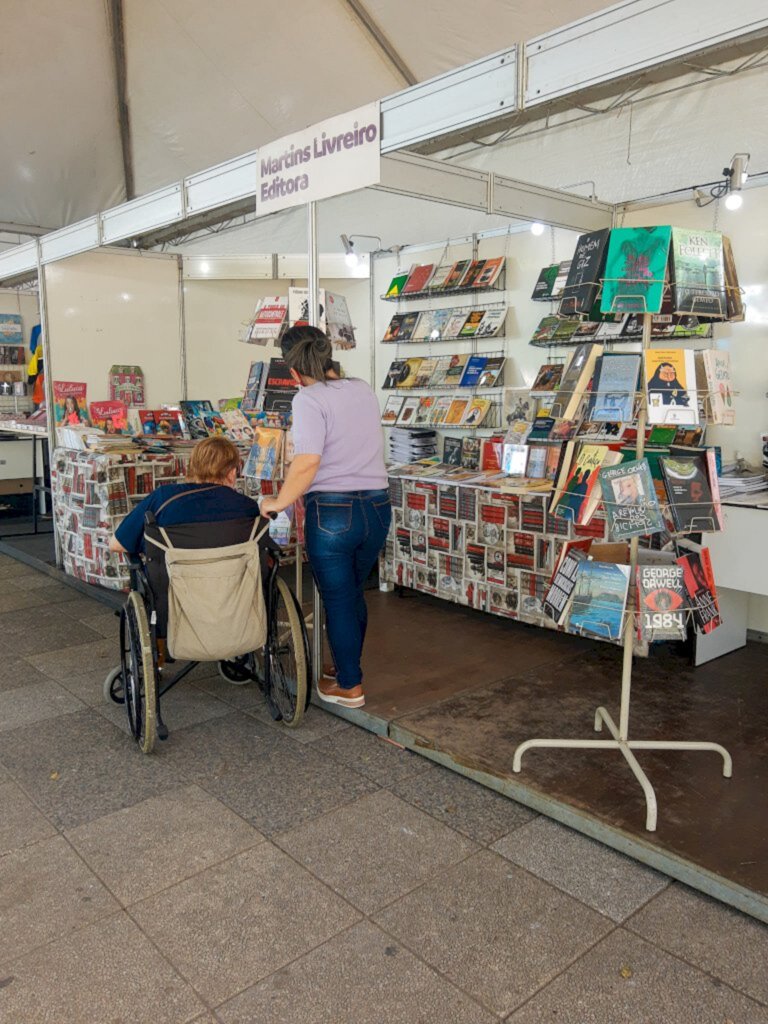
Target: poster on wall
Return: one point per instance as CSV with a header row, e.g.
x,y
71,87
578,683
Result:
x,y
126,384
10,329
340,329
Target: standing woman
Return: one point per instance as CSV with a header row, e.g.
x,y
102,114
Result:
x,y
338,467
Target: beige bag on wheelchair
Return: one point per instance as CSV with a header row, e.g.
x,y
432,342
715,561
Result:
x,y
215,600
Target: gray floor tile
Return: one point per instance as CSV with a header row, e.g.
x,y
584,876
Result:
x,y
236,923
117,977
598,876
87,686
99,656
288,787
161,841
15,671
182,707
373,851
371,755
106,623
49,630
78,606
493,930
317,724
243,698
11,569
710,936
361,977
20,821
624,980
45,892
34,703
468,807
204,752
79,767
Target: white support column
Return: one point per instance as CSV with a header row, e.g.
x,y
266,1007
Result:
x,y
313,287
48,370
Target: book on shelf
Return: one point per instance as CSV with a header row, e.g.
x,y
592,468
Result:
x,y
269,320
603,431
264,460
670,385
661,602
430,325
615,385
147,421
630,501
425,372
470,453
279,377
518,431
577,493
452,451
455,275
536,468
442,365
70,404
298,308
545,283
491,323
277,408
585,273
11,329
472,371
514,459
111,417
195,414
391,411
472,323
575,380
440,411
734,301
408,326
396,374
700,590
456,411
476,412
561,278
713,381
12,355
698,273
396,286
566,331
230,404
236,425
439,277
455,323
392,332
548,378
424,412
408,411
254,386
471,274
491,454
557,602
491,373
126,384
419,277
517,405
636,270
412,367
455,370
564,430
339,321
691,504
541,428
599,599
489,273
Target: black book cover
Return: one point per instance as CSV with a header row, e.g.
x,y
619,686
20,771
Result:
x,y
690,498
542,290
407,326
587,269
279,376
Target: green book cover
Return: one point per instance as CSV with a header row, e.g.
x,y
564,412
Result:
x,y
636,270
698,273
396,285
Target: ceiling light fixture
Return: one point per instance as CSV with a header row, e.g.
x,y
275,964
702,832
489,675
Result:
x,y
735,178
537,228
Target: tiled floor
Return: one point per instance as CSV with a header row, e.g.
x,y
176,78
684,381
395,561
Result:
x,y
247,874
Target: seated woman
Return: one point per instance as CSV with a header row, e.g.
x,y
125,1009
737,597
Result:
x,y
207,495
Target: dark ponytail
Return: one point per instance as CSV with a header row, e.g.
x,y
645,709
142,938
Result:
x,y
308,351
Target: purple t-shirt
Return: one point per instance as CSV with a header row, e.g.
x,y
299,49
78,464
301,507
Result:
x,y
340,420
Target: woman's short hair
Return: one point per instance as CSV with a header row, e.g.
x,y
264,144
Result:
x,y
308,351
212,459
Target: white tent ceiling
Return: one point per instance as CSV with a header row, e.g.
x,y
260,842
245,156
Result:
x,y
207,81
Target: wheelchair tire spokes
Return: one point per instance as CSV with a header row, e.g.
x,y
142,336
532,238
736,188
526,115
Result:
x,y
138,672
285,661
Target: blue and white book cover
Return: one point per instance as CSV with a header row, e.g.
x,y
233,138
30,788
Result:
x,y
599,599
615,386
472,371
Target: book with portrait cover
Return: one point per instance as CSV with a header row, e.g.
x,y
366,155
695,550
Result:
x,y
660,602
470,453
585,274
396,374
577,494
599,599
698,273
111,417
70,404
629,497
476,412
670,386
700,590
636,270
452,451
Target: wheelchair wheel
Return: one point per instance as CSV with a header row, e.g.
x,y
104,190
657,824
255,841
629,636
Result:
x,y
239,671
138,671
112,687
285,660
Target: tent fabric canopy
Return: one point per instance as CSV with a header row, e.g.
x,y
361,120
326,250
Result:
x,y
207,82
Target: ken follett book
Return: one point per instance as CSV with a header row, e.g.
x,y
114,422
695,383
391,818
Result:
x,y
698,273
585,273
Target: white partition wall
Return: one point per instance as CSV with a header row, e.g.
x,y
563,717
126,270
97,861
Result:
x,y
109,306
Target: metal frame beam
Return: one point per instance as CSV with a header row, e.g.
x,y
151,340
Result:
x,y
380,40
117,35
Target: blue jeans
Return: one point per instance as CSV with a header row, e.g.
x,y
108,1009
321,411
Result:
x,y
345,531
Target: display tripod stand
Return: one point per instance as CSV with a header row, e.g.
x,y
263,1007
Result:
x,y
620,732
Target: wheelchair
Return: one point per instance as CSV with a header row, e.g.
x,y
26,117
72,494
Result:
x,y
282,669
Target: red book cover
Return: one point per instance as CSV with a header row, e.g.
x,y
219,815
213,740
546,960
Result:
x,y
491,454
699,583
111,417
418,278
487,277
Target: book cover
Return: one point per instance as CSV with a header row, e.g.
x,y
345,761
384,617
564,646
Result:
x,y
514,459
599,599
264,458
537,461
111,417
440,411
70,405
424,412
237,426
456,411
470,453
548,378
698,273
629,498
472,371
455,275
518,431
492,323
396,286
298,307
713,381
253,386
491,454
455,369
700,590
476,412
452,451
408,411
126,384
565,331
413,366
472,323
408,326
577,494
563,430
396,374
431,324
425,372
636,270
670,385
563,270
419,277
279,376
557,601
169,423
392,332
690,497
585,274
575,381
440,276
472,273
661,602
269,320
194,413
392,408
455,323
147,420
442,366
492,372
489,272
11,330
545,283
735,303
229,404
339,322
613,394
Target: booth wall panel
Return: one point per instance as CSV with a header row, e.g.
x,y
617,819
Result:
x,y
107,307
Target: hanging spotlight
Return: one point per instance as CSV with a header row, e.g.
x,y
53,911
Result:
x,y
537,228
733,201
735,179
349,248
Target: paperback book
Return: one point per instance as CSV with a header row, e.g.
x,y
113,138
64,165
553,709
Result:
x,y
198,416
126,384
408,411
698,273
298,307
713,381
253,386
577,494
492,372
572,393
557,602
455,275
636,270
431,324
545,283
629,496
599,599
396,286
472,323
339,322
419,277
690,497
476,412
264,458
70,406
472,371
452,451
700,591
111,417
455,323
670,384
585,274
615,385
489,272
392,332
548,378
491,323
269,320
661,602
